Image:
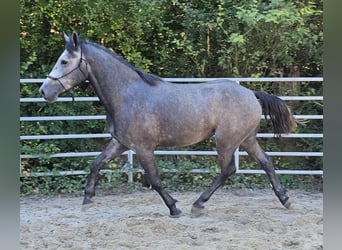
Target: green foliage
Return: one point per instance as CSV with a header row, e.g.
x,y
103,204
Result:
x,y
48,185
180,38
177,175
171,38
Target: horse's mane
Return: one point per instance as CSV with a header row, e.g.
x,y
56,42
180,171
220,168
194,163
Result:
x,y
150,79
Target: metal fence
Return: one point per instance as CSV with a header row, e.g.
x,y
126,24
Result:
x,y
130,154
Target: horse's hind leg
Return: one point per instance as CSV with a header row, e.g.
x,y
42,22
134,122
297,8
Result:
x,y
146,159
113,149
227,163
255,151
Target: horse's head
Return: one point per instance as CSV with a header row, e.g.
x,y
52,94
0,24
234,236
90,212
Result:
x,y
70,70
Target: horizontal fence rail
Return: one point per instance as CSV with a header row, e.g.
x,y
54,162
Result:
x,y
107,135
129,168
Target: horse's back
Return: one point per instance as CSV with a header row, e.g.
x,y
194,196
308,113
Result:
x,y
220,95
209,99
189,113
238,105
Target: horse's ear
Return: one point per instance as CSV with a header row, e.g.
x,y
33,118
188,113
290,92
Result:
x,y
66,37
75,39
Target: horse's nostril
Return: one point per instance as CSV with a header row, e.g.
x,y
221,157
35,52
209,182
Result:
x,y
42,92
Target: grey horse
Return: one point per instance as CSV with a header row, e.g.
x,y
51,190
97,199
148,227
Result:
x,y
144,112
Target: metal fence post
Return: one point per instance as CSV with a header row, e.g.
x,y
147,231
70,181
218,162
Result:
x,y
236,159
130,162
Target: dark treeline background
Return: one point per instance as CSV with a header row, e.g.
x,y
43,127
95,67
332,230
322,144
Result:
x,y
181,38
173,38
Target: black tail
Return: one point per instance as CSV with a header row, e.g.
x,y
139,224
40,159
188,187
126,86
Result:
x,y
280,114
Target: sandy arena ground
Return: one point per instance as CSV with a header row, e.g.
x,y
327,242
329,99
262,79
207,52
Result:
x,y
234,219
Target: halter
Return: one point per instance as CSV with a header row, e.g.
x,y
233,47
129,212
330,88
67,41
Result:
x,y
71,71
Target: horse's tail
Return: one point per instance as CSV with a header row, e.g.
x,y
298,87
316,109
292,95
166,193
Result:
x,y
278,112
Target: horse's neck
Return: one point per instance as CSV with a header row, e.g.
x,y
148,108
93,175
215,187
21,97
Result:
x,y
109,77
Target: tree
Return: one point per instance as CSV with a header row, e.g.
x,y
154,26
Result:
x,y
182,38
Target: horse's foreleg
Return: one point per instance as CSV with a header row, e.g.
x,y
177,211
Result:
x,y
227,168
146,159
113,149
255,151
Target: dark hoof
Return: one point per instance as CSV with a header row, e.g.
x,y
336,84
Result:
x,y
287,203
197,211
176,214
87,201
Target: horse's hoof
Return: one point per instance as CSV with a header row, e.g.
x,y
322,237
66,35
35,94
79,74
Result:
x,y
87,204
287,203
197,211
87,201
176,214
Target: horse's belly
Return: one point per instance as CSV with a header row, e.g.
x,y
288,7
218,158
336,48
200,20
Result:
x,y
184,136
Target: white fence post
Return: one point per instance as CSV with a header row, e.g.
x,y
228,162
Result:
x,y
130,162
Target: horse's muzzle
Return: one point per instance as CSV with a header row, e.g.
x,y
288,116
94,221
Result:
x,y
50,97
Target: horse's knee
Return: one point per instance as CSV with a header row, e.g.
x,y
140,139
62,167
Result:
x,y
229,169
156,186
153,180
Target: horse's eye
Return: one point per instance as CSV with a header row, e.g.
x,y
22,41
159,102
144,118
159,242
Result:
x,y
64,62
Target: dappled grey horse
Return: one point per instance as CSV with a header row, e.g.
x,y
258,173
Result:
x,y
144,112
